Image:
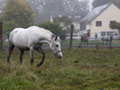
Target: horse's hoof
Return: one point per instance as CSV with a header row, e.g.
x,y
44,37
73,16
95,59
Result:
x,y
38,65
20,63
31,62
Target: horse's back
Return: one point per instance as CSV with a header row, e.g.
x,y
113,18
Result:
x,y
38,30
25,37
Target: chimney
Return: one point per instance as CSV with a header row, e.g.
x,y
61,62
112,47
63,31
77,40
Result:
x,y
51,18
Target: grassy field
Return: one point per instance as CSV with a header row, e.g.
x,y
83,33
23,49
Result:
x,y
79,69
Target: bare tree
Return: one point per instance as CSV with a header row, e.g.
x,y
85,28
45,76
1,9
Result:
x,y
72,8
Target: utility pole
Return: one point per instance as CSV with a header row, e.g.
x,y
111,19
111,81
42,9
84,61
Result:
x,y
1,36
71,35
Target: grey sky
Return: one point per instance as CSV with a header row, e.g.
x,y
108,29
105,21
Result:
x,y
90,3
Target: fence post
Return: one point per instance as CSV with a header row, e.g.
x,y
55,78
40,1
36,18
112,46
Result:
x,y
71,35
1,42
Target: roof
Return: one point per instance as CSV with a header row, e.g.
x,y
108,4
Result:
x,y
94,13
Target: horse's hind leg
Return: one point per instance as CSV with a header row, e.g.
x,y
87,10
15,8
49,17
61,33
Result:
x,y
10,48
21,56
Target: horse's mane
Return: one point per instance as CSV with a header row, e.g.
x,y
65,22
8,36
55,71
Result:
x,y
41,28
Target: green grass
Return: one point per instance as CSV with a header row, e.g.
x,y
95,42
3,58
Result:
x,y
94,70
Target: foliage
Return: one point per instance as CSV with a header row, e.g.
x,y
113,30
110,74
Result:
x,y
53,27
65,20
16,13
102,2
115,25
94,70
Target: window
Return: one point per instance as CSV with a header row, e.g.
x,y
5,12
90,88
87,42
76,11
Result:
x,y
103,34
109,33
75,35
98,23
106,34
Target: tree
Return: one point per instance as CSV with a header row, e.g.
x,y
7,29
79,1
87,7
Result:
x,y
65,20
53,27
17,13
97,3
115,25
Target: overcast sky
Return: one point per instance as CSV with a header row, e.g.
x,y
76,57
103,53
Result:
x,y
90,3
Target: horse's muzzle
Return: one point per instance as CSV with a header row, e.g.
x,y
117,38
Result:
x,y
59,54
59,57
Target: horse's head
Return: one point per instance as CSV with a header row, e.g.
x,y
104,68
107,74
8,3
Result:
x,y
56,47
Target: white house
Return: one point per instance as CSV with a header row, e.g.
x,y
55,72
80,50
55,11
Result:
x,y
98,21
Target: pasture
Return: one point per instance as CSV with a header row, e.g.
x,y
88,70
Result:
x,y
79,69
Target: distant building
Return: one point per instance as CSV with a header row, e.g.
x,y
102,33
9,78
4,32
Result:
x,y
76,32
76,35
98,21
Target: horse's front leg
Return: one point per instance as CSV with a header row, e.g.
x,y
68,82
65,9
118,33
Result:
x,y
43,57
31,55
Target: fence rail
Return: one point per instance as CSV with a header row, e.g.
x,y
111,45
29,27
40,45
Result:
x,y
77,43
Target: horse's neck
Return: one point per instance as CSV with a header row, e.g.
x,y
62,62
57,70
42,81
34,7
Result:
x,y
49,41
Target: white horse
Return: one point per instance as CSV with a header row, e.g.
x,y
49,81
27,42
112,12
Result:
x,y
32,39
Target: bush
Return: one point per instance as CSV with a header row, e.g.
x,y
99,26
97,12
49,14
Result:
x,y
54,28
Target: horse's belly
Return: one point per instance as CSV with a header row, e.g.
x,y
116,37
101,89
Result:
x,y
20,42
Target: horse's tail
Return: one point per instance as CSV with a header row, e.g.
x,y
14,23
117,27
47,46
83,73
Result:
x,y
11,35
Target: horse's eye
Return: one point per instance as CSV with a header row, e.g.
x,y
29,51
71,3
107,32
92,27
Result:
x,y
57,45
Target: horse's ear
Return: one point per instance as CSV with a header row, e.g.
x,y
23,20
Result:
x,y
56,38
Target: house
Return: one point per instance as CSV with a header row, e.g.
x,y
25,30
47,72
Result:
x,y
76,35
97,22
